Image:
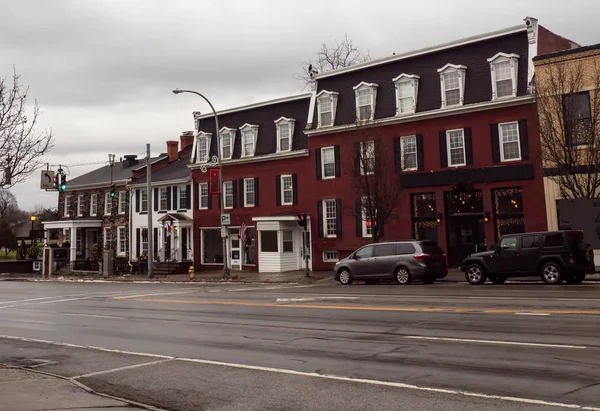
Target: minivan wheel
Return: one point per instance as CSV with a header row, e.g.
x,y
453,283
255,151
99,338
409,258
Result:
x,y
475,274
551,273
403,276
344,277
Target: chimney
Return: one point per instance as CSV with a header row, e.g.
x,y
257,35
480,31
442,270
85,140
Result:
x,y
172,150
129,160
187,139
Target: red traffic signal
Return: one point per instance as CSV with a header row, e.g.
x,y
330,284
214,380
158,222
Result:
x,y
214,183
301,219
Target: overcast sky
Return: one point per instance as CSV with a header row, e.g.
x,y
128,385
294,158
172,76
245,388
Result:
x,y
103,70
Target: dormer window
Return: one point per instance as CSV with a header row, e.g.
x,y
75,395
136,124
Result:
x,y
327,105
285,133
366,96
407,87
249,137
202,149
504,69
227,141
452,78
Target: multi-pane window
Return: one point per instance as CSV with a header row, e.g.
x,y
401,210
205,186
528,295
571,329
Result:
x,y
93,204
107,238
228,194
67,205
408,149
328,162
578,118
122,240
509,141
164,199
226,146
284,137
288,241
122,202
249,197
503,78
202,149
203,191
80,205
247,143
331,256
367,157
144,240
326,111
108,204
367,220
183,200
405,97
330,218
365,102
144,200
452,88
456,147
287,190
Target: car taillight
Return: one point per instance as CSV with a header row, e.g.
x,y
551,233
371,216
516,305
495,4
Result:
x,y
422,256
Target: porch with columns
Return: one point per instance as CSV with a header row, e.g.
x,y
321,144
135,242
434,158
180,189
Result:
x,y
78,235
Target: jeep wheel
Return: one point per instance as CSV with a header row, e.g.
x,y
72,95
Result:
x,y
475,274
344,277
497,279
576,278
403,276
551,273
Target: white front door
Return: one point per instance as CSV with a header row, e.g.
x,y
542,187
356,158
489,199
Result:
x,y
235,250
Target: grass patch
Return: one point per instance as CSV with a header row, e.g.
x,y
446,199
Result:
x,y
12,255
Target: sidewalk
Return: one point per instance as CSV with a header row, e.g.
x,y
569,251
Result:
x,y
22,390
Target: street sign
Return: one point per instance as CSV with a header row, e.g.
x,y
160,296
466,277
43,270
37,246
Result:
x,y
47,180
225,219
223,232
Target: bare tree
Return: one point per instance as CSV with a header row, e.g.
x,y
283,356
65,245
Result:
x,y
8,204
341,53
375,187
21,147
568,100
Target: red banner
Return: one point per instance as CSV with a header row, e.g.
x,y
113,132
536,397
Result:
x,y
214,183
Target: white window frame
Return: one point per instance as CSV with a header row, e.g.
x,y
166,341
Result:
x,y
80,205
462,74
288,240
325,218
142,201
160,199
67,205
93,205
413,80
290,123
330,97
144,244
182,195
108,203
248,131
363,151
323,150
230,133
403,140
363,212
329,256
513,59
122,205
107,239
501,141
200,196
449,151
201,136
283,177
227,184
246,192
372,88
121,244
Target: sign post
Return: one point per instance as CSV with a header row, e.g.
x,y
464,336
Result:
x,y
225,219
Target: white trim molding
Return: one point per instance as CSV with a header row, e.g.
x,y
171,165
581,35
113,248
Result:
x,y
231,133
280,123
195,157
413,81
200,116
531,23
326,97
311,110
258,159
513,63
248,131
179,181
445,84
371,89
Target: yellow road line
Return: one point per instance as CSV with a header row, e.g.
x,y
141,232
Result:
x,y
368,308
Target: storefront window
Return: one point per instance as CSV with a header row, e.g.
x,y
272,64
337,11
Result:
x,y
464,199
268,242
424,215
508,211
212,246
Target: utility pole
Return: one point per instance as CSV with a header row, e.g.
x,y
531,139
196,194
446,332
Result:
x,y
150,230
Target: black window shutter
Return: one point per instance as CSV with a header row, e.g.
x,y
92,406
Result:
x,y
468,146
381,226
397,154
443,150
357,158
318,163
338,165
175,205
156,199
137,200
242,190
524,140
209,202
256,191
278,190
168,198
196,196
155,241
420,153
495,143
188,196
320,218
138,241
359,220
338,217
294,189
220,197
234,186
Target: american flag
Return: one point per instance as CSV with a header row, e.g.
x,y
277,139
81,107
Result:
x,y
243,229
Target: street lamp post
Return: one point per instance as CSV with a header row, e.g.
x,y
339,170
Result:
x,y
216,161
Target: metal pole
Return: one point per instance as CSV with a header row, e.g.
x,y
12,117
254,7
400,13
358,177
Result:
x,y
149,197
222,200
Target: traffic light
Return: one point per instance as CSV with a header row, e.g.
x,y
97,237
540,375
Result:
x,y
63,182
56,182
301,219
113,190
214,185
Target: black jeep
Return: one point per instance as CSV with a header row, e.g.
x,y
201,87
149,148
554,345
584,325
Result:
x,y
553,255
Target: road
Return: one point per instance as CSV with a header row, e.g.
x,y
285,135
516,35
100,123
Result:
x,y
313,347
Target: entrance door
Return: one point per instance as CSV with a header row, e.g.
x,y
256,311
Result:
x,y
235,248
184,243
167,245
466,235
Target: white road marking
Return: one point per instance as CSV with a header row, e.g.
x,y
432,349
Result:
x,y
128,367
325,376
420,337
41,298
524,313
283,300
278,287
63,313
152,294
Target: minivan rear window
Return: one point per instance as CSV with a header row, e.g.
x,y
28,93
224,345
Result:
x,y
405,248
384,250
432,249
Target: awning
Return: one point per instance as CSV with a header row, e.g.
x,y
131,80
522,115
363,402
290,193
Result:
x,y
78,223
176,219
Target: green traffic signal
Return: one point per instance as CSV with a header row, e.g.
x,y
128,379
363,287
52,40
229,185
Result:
x,y
63,187
112,194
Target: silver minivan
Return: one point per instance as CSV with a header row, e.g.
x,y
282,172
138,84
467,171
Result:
x,y
402,261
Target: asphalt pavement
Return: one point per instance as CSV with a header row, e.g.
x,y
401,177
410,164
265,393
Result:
x,y
312,347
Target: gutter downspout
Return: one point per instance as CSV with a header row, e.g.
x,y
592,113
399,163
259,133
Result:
x,y
130,191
